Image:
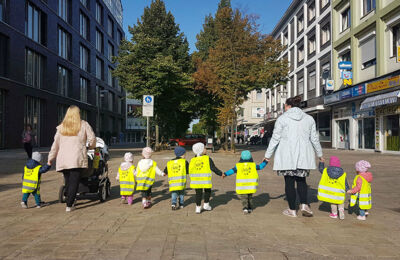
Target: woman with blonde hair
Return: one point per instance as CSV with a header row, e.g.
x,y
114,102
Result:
x,y
69,150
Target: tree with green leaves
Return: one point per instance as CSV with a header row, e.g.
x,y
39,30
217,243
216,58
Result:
x,y
156,61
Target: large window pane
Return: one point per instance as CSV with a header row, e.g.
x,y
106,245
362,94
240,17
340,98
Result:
x,y
99,41
83,89
64,77
84,58
64,7
34,66
392,133
32,115
64,44
83,26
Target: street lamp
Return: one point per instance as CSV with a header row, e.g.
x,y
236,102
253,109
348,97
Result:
x,y
102,93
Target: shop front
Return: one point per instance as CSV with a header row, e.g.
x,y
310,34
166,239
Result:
x,y
389,121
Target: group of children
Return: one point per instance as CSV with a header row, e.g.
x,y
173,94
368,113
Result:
x,y
332,187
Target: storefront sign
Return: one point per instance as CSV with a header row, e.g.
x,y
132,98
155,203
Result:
x,y
383,84
358,90
389,110
362,114
330,85
332,98
345,65
346,94
346,74
377,134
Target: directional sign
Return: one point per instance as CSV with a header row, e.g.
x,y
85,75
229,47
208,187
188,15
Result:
x,y
148,106
330,85
345,65
148,100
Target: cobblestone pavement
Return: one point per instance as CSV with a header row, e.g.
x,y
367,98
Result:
x,y
111,230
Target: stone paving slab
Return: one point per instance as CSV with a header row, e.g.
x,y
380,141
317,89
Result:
x,y
112,230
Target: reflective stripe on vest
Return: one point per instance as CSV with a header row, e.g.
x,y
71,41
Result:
x,y
144,180
200,173
31,182
176,174
126,181
332,190
246,178
363,196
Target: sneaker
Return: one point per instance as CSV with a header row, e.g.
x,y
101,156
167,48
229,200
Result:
x,y
69,209
250,210
24,205
173,207
198,209
289,213
207,207
305,210
341,214
366,213
181,207
333,215
361,218
245,211
38,206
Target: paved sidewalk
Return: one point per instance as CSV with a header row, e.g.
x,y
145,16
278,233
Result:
x,y
110,230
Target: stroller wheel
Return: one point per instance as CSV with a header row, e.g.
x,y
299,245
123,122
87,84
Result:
x,y
108,185
62,198
103,193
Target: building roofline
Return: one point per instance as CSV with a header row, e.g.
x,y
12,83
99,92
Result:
x,y
285,16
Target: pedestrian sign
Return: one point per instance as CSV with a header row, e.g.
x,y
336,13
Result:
x,y
148,106
148,100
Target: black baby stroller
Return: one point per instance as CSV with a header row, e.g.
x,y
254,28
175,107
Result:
x,y
94,182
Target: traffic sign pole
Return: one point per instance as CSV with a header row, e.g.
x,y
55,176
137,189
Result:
x,y
148,132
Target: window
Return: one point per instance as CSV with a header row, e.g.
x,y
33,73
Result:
x,y
64,79
395,39
84,58
311,44
35,24
119,37
85,3
110,27
311,80
300,24
97,96
368,52
117,86
346,19
99,13
311,11
61,111
259,95
84,113
99,68
368,6
34,67
324,3
325,34
292,31
64,10
32,115
300,86
99,41
110,77
3,10
84,26
83,89
64,44
110,51
110,101
285,39
119,105
346,56
4,55
300,53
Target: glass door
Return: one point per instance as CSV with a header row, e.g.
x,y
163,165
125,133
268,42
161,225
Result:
x,y
344,141
392,133
32,116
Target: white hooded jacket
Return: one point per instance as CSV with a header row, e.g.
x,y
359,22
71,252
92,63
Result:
x,y
145,164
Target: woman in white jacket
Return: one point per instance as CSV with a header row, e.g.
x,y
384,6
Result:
x,y
295,141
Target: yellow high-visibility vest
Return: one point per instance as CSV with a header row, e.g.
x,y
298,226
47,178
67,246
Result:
x,y
177,174
246,178
200,173
363,196
332,190
31,180
126,181
144,180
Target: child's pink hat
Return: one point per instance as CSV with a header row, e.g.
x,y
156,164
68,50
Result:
x,y
334,161
362,166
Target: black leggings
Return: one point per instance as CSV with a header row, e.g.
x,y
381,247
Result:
x,y
71,177
28,149
291,191
199,196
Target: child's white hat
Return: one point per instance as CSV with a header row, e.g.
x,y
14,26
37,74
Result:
x,y
128,157
198,148
36,156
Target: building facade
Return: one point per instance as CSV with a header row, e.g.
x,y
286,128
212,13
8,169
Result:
x,y
251,113
366,34
135,124
54,54
305,33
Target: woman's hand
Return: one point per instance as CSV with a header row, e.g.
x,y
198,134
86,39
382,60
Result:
x,y
321,159
266,159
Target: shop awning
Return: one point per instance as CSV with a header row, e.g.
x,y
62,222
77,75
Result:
x,y
380,100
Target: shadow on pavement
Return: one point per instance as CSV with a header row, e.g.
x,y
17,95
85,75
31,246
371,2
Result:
x,y
9,186
222,199
261,200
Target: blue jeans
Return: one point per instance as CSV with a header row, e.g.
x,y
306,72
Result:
x,y
25,197
362,212
175,194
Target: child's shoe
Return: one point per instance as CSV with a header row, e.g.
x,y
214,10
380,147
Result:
x,y
290,213
24,205
249,210
361,218
69,209
181,207
207,206
198,209
245,211
38,206
173,207
366,213
333,215
341,214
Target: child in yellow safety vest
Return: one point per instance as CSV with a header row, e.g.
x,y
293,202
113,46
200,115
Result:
x,y
177,169
361,189
31,180
200,168
246,179
145,174
126,179
332,186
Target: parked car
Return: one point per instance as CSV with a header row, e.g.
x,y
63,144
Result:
x,y
187,140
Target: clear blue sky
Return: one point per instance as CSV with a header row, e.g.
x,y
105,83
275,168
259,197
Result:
x,y
189,14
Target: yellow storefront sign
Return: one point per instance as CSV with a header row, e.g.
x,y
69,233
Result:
x,y
389,110
383,84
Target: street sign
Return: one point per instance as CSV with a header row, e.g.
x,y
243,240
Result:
x,y
148,100
345,65
148,106
148,111
346,74
330,85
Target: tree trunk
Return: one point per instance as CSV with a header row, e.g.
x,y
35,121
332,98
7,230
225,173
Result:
x,y
233,147
225,138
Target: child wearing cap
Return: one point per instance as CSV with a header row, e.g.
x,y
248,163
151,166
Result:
x,y
361,189
126,179
177,169
246,179
145,174
332,186
200,168
31,179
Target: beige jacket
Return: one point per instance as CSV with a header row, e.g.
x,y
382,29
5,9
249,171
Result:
x,y
71,151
